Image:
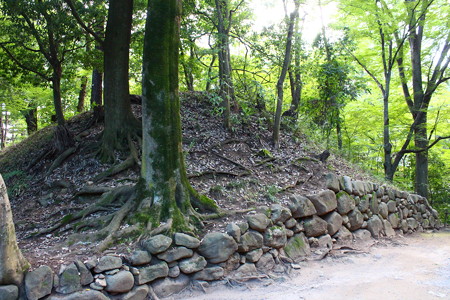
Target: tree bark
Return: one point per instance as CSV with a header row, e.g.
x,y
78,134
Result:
x,y
119,119
97,96
82,94
12,263
163,169
31,120
223,44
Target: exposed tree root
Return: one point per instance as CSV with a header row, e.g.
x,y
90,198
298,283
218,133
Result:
x,y
126,164
224,213
232,161
60,159
93,190
112,229
218,173
101,205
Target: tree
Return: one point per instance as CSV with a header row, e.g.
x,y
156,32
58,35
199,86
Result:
x,y
163,169
120,123
418,94
284,70
391,26
12,263
40,37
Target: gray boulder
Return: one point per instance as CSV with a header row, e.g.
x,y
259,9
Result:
x,y
175,254
388,230
157,244
151,273
334,221
363,205
85,275
107,263
210,274
39,283
362,235
234,231
332,182
324,202
412,223
266,262
254,255
82,295
120,282
169,286
325,241
297,247
345,203
359,188
343,235
392,206
139,257
355,219
251,240
69,280
375,226
275,237
258,222
301,207
347,184
139,292
193,264
315,226
245,270
217,247
9,292
279,213
374,205
384,212
182,239
394,220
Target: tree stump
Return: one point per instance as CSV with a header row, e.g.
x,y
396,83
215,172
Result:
x,y
12,263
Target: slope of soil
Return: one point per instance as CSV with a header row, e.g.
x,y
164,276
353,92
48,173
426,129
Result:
x,y
239,169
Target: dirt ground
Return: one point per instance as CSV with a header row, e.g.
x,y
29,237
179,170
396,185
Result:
x,y
411,267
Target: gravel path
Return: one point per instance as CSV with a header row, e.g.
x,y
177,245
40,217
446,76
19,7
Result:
x,y
412,267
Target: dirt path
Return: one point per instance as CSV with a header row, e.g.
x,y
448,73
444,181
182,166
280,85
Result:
x,y
414,267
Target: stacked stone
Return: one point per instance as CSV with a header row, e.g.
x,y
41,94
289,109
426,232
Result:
x,y
348,210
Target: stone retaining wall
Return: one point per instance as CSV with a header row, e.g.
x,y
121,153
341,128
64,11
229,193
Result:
x,y
271,240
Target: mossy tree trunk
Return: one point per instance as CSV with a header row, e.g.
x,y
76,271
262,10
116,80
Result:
x,y
119,119
12,263
163,168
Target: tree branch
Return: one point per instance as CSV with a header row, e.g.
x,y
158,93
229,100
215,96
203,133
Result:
x,y
77,17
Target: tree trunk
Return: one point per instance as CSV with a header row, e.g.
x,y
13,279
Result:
x,y
119,119
2,129
421,142
31,120
57,102
163,169
82,94
284,69
12,263
223,44
97,96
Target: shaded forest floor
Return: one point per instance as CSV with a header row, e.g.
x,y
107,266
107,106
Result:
x,y
239,169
